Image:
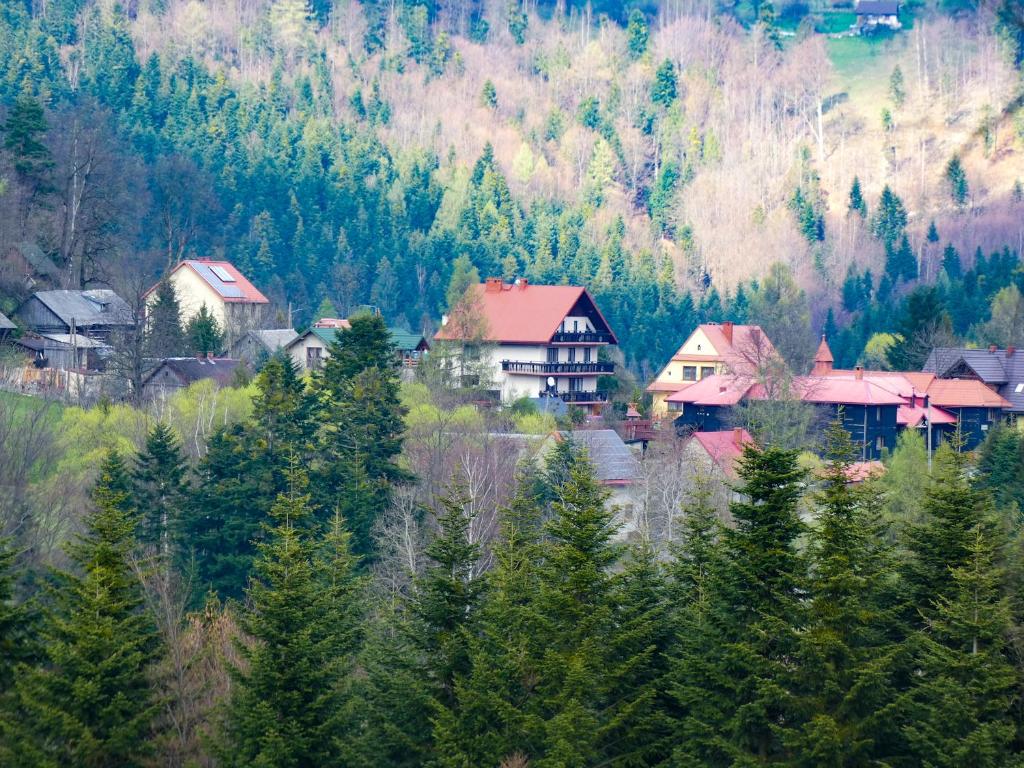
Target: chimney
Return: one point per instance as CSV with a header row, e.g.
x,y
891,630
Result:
x,y
737,435
1010,350
858,373
522,282
727,330
993,348
492,285
209,356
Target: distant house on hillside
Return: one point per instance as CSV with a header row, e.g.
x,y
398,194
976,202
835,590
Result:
x,y
535,341
176,373
96,314
235,302
257,345
1002,370
63,351
713,348
309,350
878,13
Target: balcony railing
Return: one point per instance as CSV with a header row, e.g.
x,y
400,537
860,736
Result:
x,y
583,397
543,369
582,337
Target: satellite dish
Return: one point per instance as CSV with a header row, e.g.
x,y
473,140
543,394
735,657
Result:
x,y
551,381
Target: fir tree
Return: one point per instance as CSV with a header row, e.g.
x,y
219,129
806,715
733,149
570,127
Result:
x,y
951,262
365,344
14,622
857,202
204,332
489,95
637,34
164,334
284,704
957,178
159,488
664,89
890,220
23,131
90,701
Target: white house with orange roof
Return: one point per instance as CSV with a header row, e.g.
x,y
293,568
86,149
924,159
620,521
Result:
x,y
713,348
538,340
236,303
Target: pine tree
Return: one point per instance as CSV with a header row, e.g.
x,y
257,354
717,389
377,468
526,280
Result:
x,y
637,34
959,708
665,87
286,698
164,334
847,650
957,178
159,487
857,203
204,332
90,701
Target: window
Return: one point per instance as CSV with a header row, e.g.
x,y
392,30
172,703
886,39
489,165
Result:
x,y
675,407
879,443
586,354
574,384
1019,388
689,373
575,326
878,413
552,354
223,274
313,358
572,354
707,370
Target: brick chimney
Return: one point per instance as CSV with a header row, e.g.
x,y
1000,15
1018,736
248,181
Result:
x,y
727,330
737,435
493,285
993,348
1010,350
522,283
858,373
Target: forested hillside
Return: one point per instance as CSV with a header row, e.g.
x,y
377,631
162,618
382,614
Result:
x,y
665,155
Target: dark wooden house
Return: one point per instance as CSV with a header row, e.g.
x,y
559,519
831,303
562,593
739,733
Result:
x,y
96,314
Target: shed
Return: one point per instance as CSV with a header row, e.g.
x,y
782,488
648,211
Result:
x,y
94,313
174,373
255,346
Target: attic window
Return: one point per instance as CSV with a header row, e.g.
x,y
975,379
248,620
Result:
x,y
223,274
1019,388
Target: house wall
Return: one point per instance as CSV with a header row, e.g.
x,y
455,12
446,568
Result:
x,y
872,428
512,386
37,316
234,318
697,351
161,384
703,418
975,424
298,350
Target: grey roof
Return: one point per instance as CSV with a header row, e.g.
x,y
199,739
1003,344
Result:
x,y
613,460
5,323
272,339
192,369
1002,371
80,341
878,8
97,307
556,406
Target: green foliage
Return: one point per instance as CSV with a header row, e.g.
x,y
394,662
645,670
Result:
x,y
923,325
857,203
164,334
897,87
637,34
664,89
23,131
89,702
159,487
900,262
517,21
890,219
204,332
957,179
489,95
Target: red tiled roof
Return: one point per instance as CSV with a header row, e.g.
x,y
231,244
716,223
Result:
x,y
842,391
332,322
912,415
724,447
860,471
742,347
527,314
892,381
236,289
719,389
964,393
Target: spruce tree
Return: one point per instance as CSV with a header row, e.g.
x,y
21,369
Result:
x,y
159,487
14,620
23,132
857,203
665,87
205,335
164,334
957,179
286,699
366,344
90,700
951,262
848,650
890,220
637,34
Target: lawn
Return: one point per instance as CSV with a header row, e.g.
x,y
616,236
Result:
x,y
22,404
863,64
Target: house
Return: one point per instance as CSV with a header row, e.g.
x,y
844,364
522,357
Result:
x,y
872,14
25,264
976,407
1002,370
96,314
63,351
256,345
713,348
536,341
6,326
716,453
235,302
174,373
707,405
309,350
615,466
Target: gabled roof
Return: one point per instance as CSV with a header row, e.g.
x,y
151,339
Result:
x,y
741,347
990,365
913,415
835,390
191,369
275,338
5,323
98,307
724,447
528,314
718,389
877,8
964,393
407,341
613,461
226,281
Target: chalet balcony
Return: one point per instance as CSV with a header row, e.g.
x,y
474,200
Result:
x,y
558,369
582,337
584,397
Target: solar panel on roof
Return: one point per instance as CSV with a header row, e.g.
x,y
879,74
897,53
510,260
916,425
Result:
x,y
223,274
227,290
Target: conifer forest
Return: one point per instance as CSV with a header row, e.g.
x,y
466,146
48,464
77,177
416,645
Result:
x,y
353,549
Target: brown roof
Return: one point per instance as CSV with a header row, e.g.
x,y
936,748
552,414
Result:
x,y
192,369
724,447
964,393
